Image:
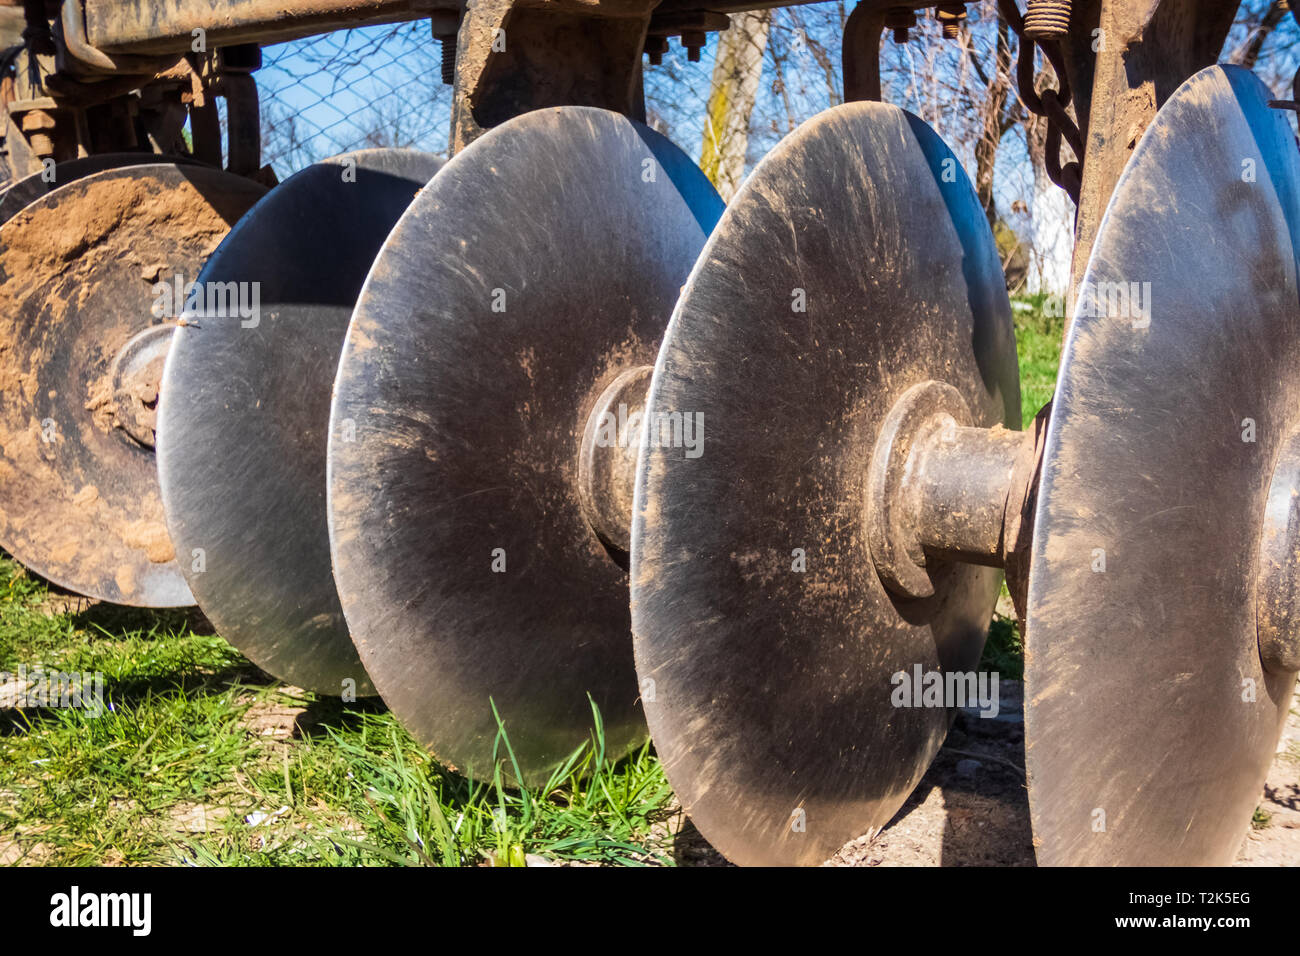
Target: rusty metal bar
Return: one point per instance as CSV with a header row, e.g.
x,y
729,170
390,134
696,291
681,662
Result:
x,y
166,26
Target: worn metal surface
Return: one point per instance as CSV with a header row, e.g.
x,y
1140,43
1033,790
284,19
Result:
x,y
82,56
860,52
30,188
557,54
771,686
12,23
80,274
538,265
1277,582
243,123
959,489
1149,720
151,26
607,461
1018,519
245,411
589,53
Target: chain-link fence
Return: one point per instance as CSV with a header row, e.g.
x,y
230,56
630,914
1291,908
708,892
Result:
x,y
382,86
352,89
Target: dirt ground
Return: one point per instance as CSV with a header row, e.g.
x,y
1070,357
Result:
x,y
971,807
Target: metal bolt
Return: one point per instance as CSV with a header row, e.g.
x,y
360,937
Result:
x,y
655,48
950,16
39,127
900,20
444,25
694,41
448,59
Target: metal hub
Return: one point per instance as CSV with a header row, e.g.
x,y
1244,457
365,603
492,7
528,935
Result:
x,y
135,374
941,490
607,461
1278,582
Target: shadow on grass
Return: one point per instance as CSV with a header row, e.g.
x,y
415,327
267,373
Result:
x,y
134,691
319,717
332,713
117,621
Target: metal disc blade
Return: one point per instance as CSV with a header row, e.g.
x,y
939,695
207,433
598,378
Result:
x,y
1140,746
85,279
244,412
31,188
854,263
541,262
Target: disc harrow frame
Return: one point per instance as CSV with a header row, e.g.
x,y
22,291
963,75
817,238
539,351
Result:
x,y
458,525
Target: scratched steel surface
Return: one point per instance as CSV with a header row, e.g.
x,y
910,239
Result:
x,y
1149,721
244,413
539,263
771,700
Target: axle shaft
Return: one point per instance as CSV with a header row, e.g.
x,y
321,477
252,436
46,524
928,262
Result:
x,y
942,490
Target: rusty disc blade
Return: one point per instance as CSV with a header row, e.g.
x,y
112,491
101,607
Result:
x,y
1149,722
540,262
86,274
854,263
244,412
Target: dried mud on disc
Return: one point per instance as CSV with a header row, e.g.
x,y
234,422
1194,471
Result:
x,y
80,270
18,195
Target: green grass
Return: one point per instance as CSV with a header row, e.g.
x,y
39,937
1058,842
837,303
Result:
x,y
1039,336
1003,651
178,770
1038,344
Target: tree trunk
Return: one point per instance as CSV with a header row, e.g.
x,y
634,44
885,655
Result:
x,y
736,74
993,124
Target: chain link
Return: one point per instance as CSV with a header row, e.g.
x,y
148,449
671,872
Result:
x,y
1053,104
